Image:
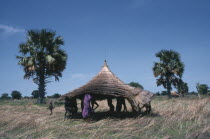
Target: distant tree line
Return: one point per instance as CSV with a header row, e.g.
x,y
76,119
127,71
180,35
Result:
x,y
14,95
5,96
35,94
202,89
164,93
17,95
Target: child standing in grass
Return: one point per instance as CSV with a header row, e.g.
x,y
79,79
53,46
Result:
x,y
51,107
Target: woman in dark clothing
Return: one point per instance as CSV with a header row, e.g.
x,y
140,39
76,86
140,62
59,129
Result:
x,y
67,107
73,105
70,106
120,102
111,106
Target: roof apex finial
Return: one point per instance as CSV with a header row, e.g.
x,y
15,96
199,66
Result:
x,y
105,64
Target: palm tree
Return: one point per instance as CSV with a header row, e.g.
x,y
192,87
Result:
x,y
168,70
42,58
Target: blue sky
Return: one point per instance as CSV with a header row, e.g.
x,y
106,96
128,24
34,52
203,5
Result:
x,y
127,33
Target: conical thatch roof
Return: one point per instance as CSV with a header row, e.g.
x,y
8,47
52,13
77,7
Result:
x,y
105,83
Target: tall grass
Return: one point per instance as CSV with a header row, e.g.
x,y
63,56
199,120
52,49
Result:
x,y
176,118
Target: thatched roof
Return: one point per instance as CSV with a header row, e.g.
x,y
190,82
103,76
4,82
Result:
x,y
105,83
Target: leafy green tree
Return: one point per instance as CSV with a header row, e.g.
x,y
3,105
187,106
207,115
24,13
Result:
x,y
135,84
168,70
16,95
5,96
35,94
56,95
42,58
182,88
202,89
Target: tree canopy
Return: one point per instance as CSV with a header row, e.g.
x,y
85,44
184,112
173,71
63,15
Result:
x,y
16,95
42,58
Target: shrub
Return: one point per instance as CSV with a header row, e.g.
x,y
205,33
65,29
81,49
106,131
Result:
x,y
26,97
158,94
5,96
136,85
35,94
202,88
164,93
16,95
56,95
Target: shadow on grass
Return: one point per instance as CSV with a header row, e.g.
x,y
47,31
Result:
x,y
97,116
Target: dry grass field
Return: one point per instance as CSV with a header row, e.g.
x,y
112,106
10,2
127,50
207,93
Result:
x,y
187,117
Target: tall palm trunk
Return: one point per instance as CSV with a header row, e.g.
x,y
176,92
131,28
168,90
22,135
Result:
x,y
41,84
41,88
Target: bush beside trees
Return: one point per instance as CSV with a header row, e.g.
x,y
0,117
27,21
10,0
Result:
x,y
26,97
136,85
35,94
182,88
164,93
16,95
158,93
56,95
5,96
202,89
193,93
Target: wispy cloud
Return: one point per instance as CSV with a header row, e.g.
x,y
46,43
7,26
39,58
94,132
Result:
x,y
9,29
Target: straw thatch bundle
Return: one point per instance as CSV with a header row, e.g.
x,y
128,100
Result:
x,y
174,94
106,84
